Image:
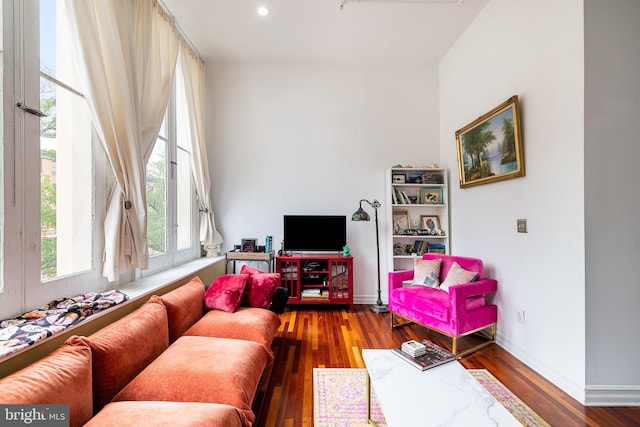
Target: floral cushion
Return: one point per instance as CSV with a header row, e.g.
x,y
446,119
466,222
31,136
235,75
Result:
x,y
20,332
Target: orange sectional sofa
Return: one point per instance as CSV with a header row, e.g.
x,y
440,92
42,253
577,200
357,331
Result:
x,y
170,362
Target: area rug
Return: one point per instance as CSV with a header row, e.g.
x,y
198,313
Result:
x,y
339,398
517,407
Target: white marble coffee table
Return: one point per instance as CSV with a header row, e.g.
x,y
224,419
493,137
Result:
x,y
446,395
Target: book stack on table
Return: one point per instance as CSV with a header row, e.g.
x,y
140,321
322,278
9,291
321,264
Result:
x,y
414,348
423,355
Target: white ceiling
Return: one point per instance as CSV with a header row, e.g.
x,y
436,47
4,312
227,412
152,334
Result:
x,y
414,31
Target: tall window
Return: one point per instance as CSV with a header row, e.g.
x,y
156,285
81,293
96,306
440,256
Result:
x,y
53,196
66,154
171,206
55,178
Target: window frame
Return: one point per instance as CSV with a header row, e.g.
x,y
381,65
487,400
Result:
x,y
23,289
174,256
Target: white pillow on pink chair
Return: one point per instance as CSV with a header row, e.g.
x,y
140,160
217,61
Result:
x,y
457,275
426,272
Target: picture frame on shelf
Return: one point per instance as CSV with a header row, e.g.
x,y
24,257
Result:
x,y
417,177
432,178
428,222
431,224
399,178
249,245
431,196
490,147
401,221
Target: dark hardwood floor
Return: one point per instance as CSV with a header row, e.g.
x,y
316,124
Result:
x,y
333,337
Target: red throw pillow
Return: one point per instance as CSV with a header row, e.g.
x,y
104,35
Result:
x,y
226,292
260,287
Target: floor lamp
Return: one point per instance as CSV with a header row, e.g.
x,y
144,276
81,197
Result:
x,y
362,215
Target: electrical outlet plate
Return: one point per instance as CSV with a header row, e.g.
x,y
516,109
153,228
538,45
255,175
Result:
x,y
522,225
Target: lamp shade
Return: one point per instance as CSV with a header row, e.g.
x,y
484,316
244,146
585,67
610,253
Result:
x,y
360,215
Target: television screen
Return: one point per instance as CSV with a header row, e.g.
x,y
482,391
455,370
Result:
x,y
321,233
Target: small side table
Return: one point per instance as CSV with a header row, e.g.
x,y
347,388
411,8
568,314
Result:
x,y
267,258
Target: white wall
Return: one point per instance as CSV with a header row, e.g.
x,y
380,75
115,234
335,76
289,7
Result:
x,y
612,149
311,138
534,49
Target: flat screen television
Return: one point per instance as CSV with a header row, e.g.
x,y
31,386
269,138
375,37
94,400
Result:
x,y
315,233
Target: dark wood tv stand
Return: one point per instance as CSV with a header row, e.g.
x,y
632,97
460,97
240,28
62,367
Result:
x,y
317,278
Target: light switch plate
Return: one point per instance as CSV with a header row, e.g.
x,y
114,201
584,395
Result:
x,y
522,226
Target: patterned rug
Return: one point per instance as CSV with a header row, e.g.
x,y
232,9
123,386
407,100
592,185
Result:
x,y
339,399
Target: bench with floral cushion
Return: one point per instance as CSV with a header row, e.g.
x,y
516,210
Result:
x,y
29,328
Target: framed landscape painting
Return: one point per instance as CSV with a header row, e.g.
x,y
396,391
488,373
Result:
x,y
490,147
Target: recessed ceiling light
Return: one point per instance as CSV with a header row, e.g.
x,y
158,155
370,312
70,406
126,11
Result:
x,y
263,11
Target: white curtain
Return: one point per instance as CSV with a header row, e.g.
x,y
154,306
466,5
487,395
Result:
x,y
128,50
193,72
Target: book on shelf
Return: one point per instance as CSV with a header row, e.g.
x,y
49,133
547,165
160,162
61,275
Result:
x,y
437,249
315,293
417,245
433,356
406,199
399,198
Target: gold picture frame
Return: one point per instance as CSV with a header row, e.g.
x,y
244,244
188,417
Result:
x,y
427,220
490,147
401,222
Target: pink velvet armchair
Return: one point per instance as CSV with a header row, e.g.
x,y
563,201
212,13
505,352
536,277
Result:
x,y
459,310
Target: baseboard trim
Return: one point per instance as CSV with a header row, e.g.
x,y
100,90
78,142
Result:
x,y
612,395
576,391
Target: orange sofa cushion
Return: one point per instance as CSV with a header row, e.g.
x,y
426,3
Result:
x,y
62,377
168,414
185,305
202,369
124,348
247,323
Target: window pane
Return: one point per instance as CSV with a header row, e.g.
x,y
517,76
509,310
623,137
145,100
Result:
x,y
66,174
66,189
55,44
157,199
184,193
184,190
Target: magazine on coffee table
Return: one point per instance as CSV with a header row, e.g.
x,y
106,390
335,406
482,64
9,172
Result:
x,y
434,356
